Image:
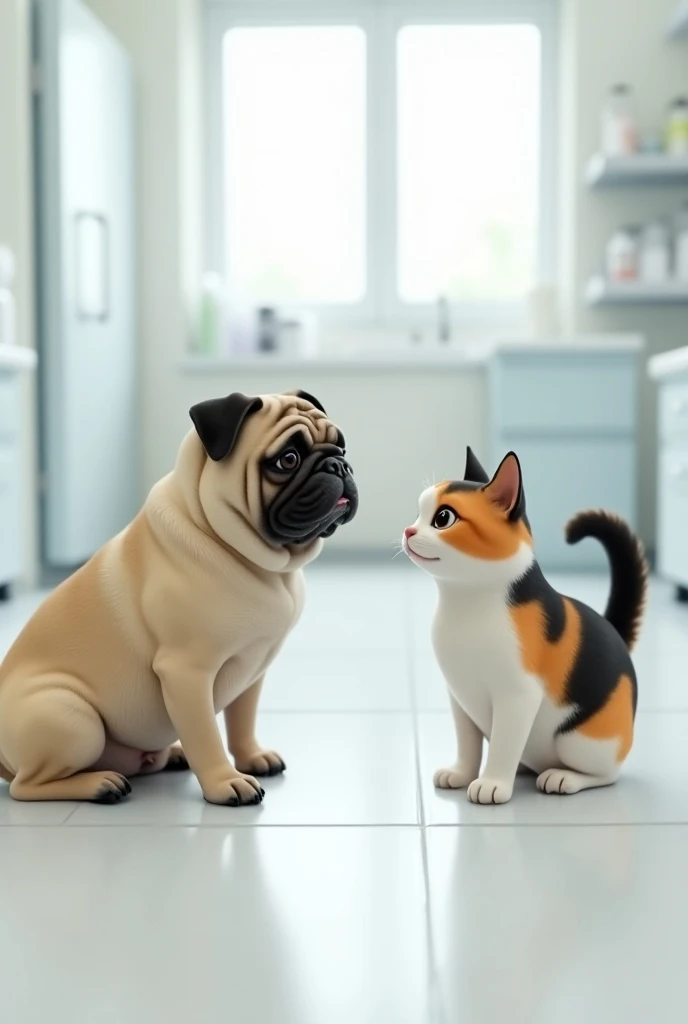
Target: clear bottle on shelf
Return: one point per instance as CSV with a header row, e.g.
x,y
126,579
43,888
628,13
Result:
x,y
676,135
681,244
623,254
619,124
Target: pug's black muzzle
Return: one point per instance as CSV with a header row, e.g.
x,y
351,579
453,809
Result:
x,y
319,497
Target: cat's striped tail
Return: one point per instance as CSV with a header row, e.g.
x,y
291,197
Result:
x,y
628,567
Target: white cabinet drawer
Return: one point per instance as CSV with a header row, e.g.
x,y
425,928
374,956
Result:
x,y
673,411
564,394
672,539
10,515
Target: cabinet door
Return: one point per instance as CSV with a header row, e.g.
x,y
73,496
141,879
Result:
x,y
10,534
563,477
673,412
672,535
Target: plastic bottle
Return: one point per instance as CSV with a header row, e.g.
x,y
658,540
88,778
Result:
x,y
619,126
212,314
623,251
681,244
676,138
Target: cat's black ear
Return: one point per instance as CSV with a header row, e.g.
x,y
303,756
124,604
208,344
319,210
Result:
x,y
505,488
218,422
474,472
309,398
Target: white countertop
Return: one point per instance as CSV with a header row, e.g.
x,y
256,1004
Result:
x,y
667,363
600,343
420,357
16,357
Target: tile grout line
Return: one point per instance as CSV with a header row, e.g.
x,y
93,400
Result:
x,y
69,816
435,1005
363,826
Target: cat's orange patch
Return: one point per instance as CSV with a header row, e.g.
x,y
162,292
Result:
x,y
552,662
615,720
482,530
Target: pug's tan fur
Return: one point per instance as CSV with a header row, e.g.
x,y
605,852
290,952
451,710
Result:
x,y
174,620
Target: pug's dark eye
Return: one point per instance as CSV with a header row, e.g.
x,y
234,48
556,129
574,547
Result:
x,y
289,461
444,518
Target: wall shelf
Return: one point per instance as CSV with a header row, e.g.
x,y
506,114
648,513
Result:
x,y
640,169
601,292
678,23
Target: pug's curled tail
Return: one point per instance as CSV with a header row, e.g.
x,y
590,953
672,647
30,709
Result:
x,y
628,565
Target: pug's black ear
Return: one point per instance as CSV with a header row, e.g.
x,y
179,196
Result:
x,y
218,422
309,398
474,472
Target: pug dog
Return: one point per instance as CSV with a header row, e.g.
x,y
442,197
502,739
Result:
x,y
124,668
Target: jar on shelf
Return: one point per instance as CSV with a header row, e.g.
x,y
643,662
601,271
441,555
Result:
x,y
655,253
619,123
681,244
623,254
676,133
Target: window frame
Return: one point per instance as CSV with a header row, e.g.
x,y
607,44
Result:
x,y
381,20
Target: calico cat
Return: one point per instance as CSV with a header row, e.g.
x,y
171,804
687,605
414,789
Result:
x,y
545,679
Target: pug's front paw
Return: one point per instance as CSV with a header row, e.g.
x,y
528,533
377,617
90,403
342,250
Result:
x,y
490,791
234,790
259,762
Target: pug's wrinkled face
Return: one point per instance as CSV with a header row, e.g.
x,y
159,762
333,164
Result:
x,y
278,462
309,488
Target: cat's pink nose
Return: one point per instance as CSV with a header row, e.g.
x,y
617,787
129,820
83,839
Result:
x,y
410,531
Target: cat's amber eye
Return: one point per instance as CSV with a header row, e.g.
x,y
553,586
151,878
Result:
x,y
444,518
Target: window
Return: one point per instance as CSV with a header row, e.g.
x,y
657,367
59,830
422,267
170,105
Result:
x,y
294,130
370,157
468,141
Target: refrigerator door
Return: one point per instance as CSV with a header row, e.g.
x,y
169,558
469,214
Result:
x,y
86,272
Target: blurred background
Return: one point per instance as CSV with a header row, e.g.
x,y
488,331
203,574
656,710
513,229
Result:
x,y
454,222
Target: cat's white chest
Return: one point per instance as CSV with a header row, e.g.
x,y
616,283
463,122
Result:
x,y
477,650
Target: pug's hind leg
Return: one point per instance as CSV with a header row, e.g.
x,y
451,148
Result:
x,y
176,759
171,759
50,738
240,721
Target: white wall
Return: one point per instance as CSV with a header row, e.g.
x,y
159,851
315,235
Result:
x,y
607,41
16,227
403,430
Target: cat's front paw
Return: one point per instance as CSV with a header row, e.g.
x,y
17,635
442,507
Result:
x,y
455,777
490,791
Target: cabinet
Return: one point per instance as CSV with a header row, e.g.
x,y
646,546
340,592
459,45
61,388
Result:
x,y
570,414
671,372
11,538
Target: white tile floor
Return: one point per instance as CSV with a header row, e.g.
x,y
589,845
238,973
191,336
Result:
x,y
356,892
